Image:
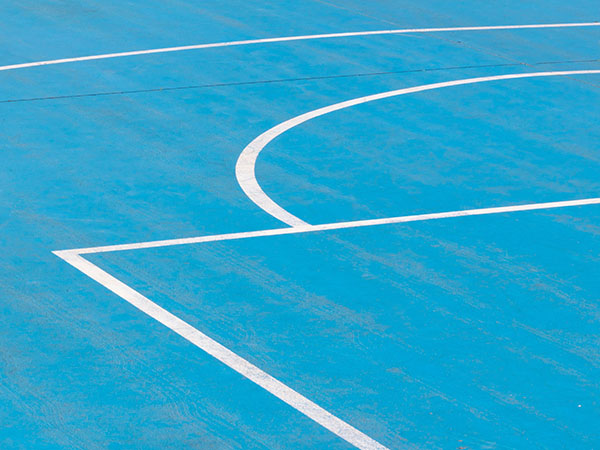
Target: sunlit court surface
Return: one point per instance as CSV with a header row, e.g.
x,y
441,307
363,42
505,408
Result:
x,y
300,225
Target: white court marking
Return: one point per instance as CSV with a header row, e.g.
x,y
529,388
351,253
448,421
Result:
x,y
223,354
231,359
293,38
245,169
331,226
202,341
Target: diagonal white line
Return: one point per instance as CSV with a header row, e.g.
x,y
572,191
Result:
x,y
223,354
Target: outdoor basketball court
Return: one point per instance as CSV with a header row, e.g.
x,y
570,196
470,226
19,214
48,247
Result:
x,y
318,224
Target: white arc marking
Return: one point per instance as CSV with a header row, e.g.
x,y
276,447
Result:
x,y
293,38
223,354
245,169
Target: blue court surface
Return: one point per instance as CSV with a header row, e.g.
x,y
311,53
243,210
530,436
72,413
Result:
x,y
300,225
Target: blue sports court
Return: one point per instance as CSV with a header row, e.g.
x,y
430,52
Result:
x,y
300,225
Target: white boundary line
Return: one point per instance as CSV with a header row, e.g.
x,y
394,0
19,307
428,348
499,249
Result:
x,y
202,341
293,38
223,354
330,226
245,171
231,359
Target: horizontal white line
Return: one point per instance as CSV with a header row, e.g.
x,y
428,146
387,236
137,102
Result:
x,y
223,354
293,38
332,226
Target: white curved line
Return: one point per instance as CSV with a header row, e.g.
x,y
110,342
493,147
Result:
x,y
245,167
292,38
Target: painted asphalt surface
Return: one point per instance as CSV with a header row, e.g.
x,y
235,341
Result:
x,y
477,332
